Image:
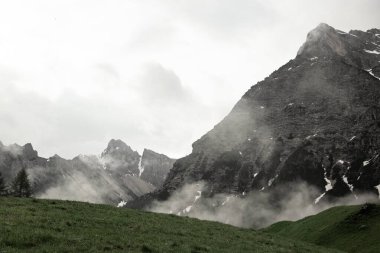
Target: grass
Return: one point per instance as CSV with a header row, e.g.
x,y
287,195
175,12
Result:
x,y
348,228
31,225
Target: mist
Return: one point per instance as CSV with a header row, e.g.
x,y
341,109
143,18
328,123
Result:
x,y
252,210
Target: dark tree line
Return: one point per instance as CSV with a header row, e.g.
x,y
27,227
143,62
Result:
x,y
19,187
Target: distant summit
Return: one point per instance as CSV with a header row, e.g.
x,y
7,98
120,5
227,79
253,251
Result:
x,y
113,177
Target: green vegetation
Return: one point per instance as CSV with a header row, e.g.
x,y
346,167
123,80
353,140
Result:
x,y
33,225
348,228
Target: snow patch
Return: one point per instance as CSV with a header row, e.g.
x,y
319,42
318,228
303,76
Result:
x,y
365,163
313,58
122,203
378,189
308,137
371,51
352,138
345,179
262,107
372,74
340,162
249,139
270,182
319,198
289,68
188,209
141,168
254,175
328,186
240,153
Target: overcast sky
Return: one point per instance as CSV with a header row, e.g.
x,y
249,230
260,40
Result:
x,y
156,74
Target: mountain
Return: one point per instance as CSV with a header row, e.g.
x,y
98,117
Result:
x,y
112,177
151,167
347,228
155,167
315,120
62,226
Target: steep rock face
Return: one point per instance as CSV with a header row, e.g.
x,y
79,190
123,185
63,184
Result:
x,y
120,158
112,177
155,167
314,120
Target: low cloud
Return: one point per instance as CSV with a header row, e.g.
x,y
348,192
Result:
x,y
257,209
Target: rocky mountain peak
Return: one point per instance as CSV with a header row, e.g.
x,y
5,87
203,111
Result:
x,y
29,152
155,167
323,40
314,120
117,146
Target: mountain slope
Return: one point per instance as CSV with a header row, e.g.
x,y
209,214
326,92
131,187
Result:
x,y
348,228
110,178
315,120
62,226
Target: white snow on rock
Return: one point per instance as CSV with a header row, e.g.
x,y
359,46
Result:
x,y
141,168
289,68
352,138
188,209
270,182
372,74
313,58
262,107
345,179
365,163
319,198
328,186
240,153
122,203
340,162
254,175
371,51
249,139
378,189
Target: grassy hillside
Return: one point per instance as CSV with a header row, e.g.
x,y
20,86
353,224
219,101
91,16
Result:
x,y
29,225
349,228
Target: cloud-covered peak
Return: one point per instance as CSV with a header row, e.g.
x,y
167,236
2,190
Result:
x,y
323,40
